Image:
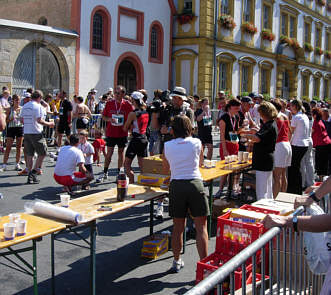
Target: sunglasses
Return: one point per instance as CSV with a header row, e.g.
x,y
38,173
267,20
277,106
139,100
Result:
x,y
117,92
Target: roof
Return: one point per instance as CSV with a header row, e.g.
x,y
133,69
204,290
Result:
x,y
35,27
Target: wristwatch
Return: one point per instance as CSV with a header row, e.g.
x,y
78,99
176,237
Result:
x,y
295,223
313,196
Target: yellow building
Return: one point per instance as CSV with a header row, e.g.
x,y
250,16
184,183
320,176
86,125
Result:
x,y
279,48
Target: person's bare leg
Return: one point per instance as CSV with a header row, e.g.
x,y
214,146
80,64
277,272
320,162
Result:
x,y
128,169
277,181
201,235
39,162
177,237
120,158
209,151
283,180
59,140
110,151
29,162
19,142
9,145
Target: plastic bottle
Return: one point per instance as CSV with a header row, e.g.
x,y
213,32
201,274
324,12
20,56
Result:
x,y
122,186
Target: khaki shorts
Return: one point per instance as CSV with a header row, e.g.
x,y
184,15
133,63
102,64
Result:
x,y
187,194
35,143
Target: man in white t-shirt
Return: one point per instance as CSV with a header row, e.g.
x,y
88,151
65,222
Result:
x,y
65,169
33,117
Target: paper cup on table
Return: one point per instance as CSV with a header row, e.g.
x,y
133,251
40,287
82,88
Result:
x,y
240,156
226,159
65,200
9,231
213,163
14,217
245,157
21,227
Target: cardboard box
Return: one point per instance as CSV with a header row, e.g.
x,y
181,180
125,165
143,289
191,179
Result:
x,y
153,165
154,246
247,216
152,179
286,197
284,208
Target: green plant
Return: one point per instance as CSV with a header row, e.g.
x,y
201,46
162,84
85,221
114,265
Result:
x,y
327,54
305,98
316,98
249,28
266,34
308,47
244,93
266,96
318,50
227,21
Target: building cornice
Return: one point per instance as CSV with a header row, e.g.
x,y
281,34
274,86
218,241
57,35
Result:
x,y
308,10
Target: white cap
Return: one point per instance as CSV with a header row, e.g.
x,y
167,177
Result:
x,y
136,95
179,92
110,89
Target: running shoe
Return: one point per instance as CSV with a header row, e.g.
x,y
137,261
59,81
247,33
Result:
x,y
3,167
23,172
32,177
18,167
22,162
159,211
177,265
39,171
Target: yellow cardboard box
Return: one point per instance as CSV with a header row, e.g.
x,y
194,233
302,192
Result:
x,y
152,179
153,164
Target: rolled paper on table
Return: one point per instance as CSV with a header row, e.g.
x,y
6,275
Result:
x,y
49,210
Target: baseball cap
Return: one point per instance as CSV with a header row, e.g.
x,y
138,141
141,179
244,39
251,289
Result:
x,y
247,99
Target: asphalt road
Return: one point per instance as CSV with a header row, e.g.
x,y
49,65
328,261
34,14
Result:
x,y
120,269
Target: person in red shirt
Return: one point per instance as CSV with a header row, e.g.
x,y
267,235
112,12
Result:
x,y
115,114
322,144
99,145
138,122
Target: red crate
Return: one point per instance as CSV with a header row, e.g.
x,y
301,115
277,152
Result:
x,y
260,210
212,262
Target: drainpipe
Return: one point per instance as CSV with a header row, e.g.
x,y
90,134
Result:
x,y
214,54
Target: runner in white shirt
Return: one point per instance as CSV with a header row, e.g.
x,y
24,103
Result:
x,y
65,170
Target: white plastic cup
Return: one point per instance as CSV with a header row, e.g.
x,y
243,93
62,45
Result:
x,y
213,163
9,231
21,227
245,157
233,158
14,217
65,200
226,158
240,156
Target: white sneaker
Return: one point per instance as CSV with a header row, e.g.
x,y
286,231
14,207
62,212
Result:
x,y
159,211
3,167
18,167
22,162
99,179
177,265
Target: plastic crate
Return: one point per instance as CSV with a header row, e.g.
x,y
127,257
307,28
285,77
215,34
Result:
x,y
260,210
212,262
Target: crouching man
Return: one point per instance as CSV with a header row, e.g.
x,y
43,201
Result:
x,y
65,169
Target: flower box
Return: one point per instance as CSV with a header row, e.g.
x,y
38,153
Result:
x,y
318,51
267,35
308,47
292,42
227,22
185,18
327,54
249,28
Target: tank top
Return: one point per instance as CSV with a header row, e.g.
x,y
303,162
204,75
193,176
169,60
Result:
x,y
15,115
141,123
283,130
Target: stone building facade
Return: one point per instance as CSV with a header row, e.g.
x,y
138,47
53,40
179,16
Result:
x,y
276,47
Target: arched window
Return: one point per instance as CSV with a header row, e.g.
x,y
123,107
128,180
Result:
x,y
156,43
100,31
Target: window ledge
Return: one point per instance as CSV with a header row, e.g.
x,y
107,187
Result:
x,y
99,52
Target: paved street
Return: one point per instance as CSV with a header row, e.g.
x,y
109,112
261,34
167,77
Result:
x,y
120,269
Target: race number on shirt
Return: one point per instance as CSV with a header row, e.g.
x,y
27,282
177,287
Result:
x,y
117,120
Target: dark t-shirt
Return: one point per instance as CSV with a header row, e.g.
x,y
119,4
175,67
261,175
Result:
x,y
229,124
263,151
65,108
202,129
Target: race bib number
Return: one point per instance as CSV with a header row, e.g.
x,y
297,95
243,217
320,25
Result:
x,y
233,137
206,121
117,120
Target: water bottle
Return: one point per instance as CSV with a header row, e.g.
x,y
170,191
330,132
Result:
x,y
122,186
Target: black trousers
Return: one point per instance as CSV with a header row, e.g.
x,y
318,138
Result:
x,y
294,173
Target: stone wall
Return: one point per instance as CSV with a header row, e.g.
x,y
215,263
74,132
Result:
x,y
12,42
57,12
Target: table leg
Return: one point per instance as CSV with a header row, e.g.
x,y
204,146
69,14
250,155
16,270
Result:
x,y
151,218
53,263
209,220
93,234
34,259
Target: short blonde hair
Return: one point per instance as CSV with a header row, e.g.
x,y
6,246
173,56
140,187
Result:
x,y
83,132
267,110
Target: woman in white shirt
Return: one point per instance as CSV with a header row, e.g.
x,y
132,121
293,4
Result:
x,y
183,155
299,145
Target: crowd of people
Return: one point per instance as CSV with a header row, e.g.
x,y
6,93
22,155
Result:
x,y
290,141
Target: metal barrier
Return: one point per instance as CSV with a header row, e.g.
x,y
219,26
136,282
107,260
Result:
x,y
287,271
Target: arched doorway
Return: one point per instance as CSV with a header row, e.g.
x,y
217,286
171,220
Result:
x,y
129,72
127,76
36,67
